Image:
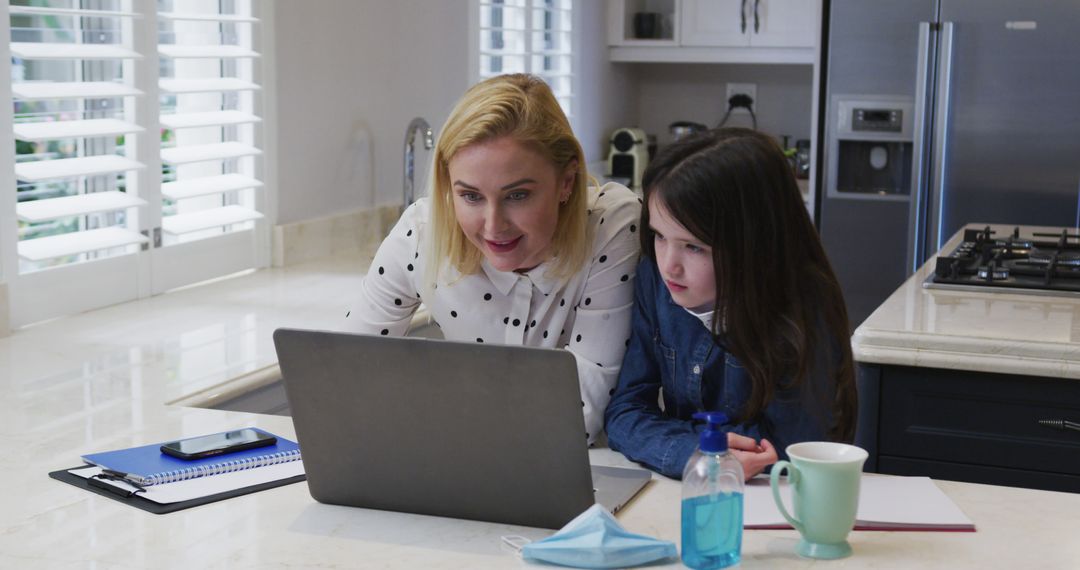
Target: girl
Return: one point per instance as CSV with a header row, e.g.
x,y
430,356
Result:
x,y
513,247
736,310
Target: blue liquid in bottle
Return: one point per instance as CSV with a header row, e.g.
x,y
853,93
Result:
x,y
712,530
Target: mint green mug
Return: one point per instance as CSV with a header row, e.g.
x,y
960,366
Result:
x,y
824,479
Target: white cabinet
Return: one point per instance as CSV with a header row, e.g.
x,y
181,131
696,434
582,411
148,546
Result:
x,y
717,31
748,23
716,23
786,23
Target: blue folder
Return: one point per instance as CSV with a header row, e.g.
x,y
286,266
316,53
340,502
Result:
x,y
148,465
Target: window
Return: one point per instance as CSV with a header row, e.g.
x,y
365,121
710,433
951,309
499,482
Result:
x,y
128,166
73,123
529,36
207,137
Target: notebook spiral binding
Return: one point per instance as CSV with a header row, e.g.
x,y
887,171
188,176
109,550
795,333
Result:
x,y
223,467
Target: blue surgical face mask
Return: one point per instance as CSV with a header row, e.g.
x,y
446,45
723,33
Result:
x,y
596,540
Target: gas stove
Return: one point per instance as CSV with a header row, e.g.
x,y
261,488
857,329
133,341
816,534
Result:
x,y
1037,262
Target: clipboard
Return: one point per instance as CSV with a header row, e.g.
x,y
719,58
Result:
x,y
134,500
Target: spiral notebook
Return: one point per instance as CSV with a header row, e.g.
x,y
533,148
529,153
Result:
x,y
147,465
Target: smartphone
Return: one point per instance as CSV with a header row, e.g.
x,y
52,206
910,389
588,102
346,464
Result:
x,y
218,443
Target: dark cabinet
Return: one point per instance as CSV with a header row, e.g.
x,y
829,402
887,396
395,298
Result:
x,y
969,426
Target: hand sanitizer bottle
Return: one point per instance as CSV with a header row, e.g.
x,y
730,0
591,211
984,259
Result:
x,y
712,506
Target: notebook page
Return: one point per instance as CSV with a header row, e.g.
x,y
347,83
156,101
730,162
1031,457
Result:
x,y
884,502
211,485
759,510
907,501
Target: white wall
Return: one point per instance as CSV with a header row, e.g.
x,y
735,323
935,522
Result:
x,y
343,65
606,91
698,92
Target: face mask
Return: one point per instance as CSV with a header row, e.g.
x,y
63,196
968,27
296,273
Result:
x,y
596,540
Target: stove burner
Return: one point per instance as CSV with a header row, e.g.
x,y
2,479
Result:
x,y
1038,261
1045,257
991,273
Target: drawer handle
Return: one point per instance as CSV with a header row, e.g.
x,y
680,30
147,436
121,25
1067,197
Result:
x,y
1060,424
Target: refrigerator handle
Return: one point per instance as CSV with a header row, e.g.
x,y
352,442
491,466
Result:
x,y
942,111
917,212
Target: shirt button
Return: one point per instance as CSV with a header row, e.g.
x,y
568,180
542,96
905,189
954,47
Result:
x,y
697,369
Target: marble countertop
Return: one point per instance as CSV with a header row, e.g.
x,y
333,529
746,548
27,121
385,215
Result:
x,y
1035,335
47,524
102,380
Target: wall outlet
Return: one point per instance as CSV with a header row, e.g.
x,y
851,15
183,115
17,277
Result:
x,y
748,89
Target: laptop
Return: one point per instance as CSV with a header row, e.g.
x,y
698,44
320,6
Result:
x,y
464,430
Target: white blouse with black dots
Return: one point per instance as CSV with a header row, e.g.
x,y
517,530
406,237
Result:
x,y
589,314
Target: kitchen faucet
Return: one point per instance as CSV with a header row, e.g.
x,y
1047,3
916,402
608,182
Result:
x,y
417,124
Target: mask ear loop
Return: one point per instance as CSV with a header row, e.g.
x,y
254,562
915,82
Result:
x,y
515,542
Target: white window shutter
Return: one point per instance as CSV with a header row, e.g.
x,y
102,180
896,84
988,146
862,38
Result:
x,y
530,36
209,144
135,153
72,108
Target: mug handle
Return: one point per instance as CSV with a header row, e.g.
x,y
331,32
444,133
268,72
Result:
x,y
774,482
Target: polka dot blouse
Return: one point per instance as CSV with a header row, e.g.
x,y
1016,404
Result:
x,y
589,314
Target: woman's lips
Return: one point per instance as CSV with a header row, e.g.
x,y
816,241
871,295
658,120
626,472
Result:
x,y
503,246
675,286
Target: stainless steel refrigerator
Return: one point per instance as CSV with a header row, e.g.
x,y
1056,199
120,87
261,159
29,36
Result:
x,y
939,113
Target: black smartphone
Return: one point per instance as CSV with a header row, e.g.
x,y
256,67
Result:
x,y
218,443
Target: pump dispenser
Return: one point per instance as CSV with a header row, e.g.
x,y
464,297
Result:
x,y
712,506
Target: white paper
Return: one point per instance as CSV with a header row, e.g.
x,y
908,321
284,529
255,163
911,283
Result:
x,y
209,485
907,501
759,509
885,501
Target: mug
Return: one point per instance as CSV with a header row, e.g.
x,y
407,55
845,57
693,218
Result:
x,y
824,479
647,25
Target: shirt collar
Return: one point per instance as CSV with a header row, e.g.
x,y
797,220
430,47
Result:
x,y
706,317
504,281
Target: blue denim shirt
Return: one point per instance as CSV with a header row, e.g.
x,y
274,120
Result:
x,y
671,352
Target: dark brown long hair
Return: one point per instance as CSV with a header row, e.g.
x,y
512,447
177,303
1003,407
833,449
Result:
x,y
777,299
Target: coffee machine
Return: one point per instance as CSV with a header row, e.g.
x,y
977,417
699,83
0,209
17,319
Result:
x,y
627,155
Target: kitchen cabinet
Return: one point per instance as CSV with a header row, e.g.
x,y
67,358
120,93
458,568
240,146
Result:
x,y
978,427
748,23
970,383
715,31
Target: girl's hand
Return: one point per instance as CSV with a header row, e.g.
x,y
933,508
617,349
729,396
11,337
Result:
x,y
754,457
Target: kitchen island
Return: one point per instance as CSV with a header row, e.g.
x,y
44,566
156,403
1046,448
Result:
x,y
101,380
953,384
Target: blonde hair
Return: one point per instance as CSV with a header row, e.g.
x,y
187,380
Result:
x,y
522,107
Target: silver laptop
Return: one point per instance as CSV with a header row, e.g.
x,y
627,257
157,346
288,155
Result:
x,y
473,431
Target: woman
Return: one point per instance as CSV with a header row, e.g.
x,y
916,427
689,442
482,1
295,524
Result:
x,y
513,246
736,310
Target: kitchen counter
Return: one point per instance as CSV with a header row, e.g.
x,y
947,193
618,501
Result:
x,y
1035,335
101,381
959,385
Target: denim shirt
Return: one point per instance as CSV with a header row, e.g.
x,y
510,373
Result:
x,y
673,354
